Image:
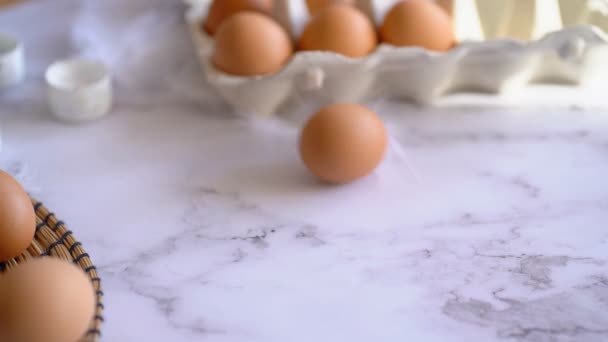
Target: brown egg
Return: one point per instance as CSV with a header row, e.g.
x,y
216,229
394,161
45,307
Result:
x,y
342,29
418,23
343,142
315,5
250,44
48,300
17,218
222,9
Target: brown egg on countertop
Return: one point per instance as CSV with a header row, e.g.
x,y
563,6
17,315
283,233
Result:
x,y
223,9
342,29
343,142
251,44
420,23
46,300
17,218
315,5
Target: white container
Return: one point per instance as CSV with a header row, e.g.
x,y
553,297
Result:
x,y
566,56
79,90
11,61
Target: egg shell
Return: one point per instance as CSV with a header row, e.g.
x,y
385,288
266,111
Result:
x,y
46,299
17,218
343,142
342,29
315,5
223,9
420,23
251,44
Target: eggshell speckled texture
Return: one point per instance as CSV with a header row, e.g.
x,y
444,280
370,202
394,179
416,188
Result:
x,y
343,142
418,23
315,5
46,299
17,218
251,44
342,29
223,9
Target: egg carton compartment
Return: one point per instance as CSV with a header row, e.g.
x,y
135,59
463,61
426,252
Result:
x,y
566,56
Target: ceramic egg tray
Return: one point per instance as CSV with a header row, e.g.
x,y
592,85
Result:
x,y
53,239
566,56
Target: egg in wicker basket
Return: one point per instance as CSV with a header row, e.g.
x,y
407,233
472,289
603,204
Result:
x,y
53,239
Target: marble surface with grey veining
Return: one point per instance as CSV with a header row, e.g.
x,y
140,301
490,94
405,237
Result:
x,y
488,220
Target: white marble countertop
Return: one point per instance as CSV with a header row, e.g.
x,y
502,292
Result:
x,y
207,228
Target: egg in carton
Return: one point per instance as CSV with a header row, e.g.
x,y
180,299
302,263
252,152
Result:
x,y
503,45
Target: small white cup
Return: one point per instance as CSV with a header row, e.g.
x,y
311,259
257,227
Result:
x,y
11,61
79,90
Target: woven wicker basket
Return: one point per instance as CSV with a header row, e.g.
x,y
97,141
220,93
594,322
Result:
x,y
55,240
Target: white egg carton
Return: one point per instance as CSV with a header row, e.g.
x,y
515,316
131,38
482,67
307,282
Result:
x,y
565,56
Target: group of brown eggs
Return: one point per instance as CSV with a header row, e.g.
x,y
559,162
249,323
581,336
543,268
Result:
x,y
249,42
45,299
341,142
